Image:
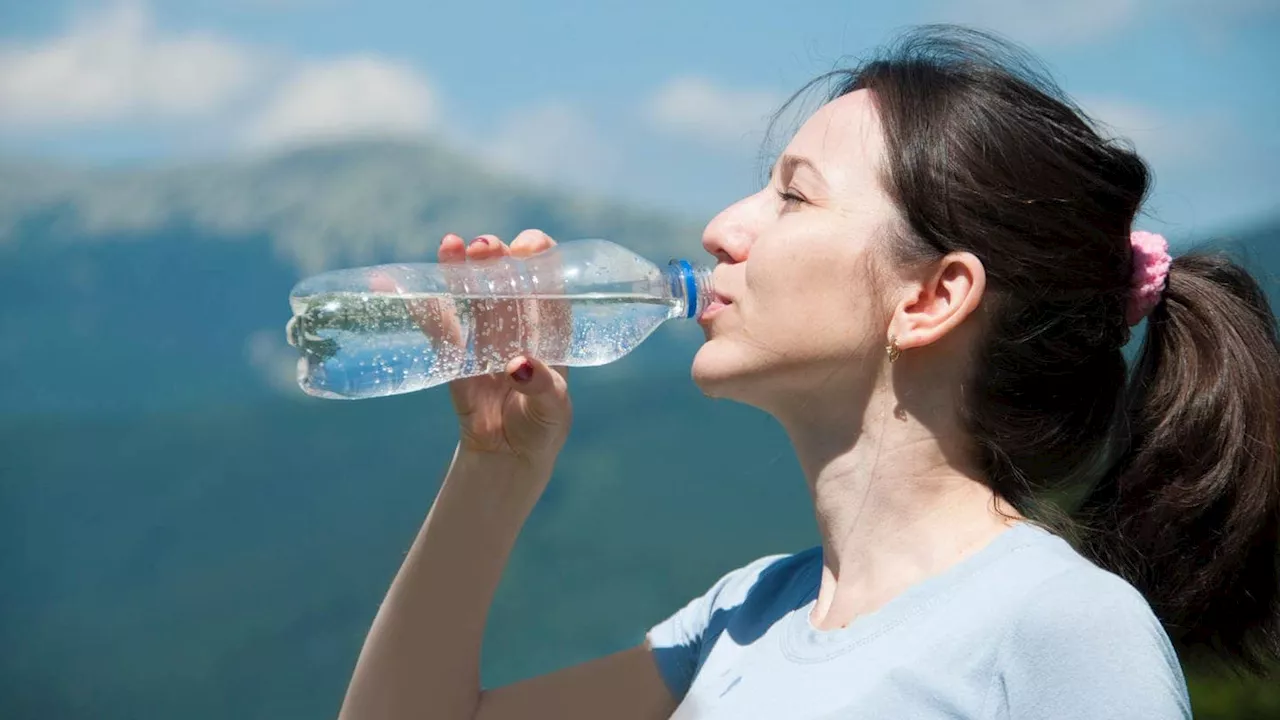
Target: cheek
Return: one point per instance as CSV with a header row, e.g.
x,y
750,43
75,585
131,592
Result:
x,y
809,305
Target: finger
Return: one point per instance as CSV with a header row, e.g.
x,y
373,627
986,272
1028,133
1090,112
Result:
x,y
443,312
498,318
452,248
549,334
545,389
485,247
451,253
433,315
531,242
380,281
438,316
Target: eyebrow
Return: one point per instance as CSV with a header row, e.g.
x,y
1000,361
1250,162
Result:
x,y
788,164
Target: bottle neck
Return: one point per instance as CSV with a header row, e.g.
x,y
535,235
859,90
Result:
x,y
690,287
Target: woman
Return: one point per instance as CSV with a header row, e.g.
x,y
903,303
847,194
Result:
x,y
931,295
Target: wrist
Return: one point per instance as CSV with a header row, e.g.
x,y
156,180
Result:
x,y
502,470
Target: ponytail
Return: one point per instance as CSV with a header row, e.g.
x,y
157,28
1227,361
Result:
x,y
1190,511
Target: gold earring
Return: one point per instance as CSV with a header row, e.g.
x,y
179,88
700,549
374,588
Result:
x,y
892,349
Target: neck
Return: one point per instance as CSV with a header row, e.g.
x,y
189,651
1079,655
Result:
x,y
896,499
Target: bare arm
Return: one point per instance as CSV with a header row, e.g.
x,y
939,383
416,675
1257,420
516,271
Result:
x,y
625,685
422,656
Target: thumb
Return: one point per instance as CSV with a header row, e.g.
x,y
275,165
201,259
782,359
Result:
x,y
545,388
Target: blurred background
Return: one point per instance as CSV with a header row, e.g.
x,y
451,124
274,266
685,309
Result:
x,y
183,534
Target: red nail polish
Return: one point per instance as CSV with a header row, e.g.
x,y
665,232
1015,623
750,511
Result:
x,y
524,373
480,241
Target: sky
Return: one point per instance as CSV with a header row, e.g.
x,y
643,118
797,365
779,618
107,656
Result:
x,y
660,103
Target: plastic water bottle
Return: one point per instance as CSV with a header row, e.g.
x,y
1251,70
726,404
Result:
x,y
390,329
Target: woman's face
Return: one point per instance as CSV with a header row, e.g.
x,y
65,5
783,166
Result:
x,y
802,314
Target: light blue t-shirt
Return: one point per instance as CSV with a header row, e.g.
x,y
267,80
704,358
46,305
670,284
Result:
x,y
1025,628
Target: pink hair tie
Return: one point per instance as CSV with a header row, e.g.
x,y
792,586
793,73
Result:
x,y
1151,263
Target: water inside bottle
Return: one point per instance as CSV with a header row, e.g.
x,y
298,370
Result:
x,y
367,344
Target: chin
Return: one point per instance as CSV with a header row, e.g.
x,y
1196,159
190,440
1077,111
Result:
x,y
721,372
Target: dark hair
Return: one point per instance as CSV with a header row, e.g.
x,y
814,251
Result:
x,y
1177,459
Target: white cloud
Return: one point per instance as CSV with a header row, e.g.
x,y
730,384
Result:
x,y
362,95
1207,171
697,108
277,364
552,141
1043,22
113,65
1162,140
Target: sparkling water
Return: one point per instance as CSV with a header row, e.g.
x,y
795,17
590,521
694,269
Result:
x,y
368,344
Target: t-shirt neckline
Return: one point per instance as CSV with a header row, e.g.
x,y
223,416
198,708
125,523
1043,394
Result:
x,y
804,643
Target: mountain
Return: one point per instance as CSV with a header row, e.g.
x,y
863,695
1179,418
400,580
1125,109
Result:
x,y
184,534
163,282
319,206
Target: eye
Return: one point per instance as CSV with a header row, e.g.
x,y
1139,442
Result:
x,y
789,198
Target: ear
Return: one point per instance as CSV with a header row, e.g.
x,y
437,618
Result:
x,y
939,302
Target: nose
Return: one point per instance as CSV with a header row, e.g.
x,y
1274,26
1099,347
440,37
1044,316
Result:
x,y
730,234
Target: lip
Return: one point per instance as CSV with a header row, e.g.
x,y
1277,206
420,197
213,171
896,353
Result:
x,y
715,307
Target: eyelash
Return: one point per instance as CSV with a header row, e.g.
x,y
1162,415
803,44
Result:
x,y
789,197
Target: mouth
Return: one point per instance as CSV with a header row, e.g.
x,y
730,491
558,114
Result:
x,y
718,303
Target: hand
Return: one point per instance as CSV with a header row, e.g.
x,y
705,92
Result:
x,y
524,411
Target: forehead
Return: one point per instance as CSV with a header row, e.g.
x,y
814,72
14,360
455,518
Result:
x,y
843,138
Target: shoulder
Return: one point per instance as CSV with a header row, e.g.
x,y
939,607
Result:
x,y
1083,604
754,586
746,596
1083,642
1046,586
768,576
1066,605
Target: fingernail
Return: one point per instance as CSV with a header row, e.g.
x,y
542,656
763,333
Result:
x,y
446,237
524,373
479,241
